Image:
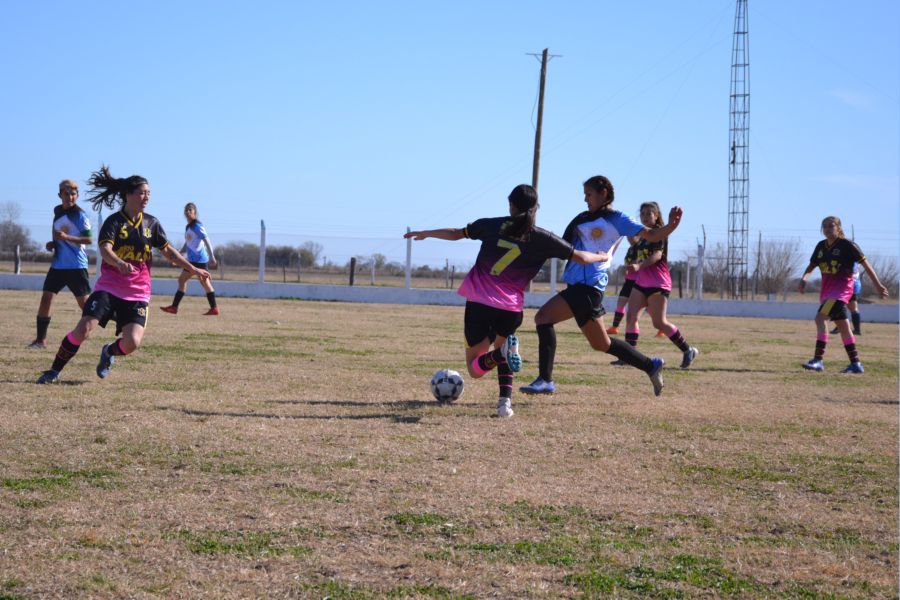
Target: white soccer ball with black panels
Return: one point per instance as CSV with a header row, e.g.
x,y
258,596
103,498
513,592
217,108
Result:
x,y
447,385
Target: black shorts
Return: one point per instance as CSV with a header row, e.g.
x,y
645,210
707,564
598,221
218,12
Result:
x,y
649,291
834,310
200,265
585,301
104,306
75,279
626,288
483,321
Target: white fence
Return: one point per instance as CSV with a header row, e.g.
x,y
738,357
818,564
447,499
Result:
x,y
873,313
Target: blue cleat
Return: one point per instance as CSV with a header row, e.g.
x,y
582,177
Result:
x,y
854,367
510,351
49,376
656,375
688,357
538,386
814,364
106,362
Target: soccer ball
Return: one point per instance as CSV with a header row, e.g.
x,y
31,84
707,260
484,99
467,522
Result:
x,y
447,385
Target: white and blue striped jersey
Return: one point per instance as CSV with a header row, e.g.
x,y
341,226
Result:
x,y
73,221
194,234
597,232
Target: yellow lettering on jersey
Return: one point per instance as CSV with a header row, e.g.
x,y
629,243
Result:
x,y
512,253
123,233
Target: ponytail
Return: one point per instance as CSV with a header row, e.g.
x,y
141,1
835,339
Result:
x,y
105,188
521,225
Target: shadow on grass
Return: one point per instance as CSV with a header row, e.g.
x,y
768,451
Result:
x,y
60,382
396,418
403,404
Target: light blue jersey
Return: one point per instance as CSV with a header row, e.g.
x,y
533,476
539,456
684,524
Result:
x,y
194,234
74,221
597,232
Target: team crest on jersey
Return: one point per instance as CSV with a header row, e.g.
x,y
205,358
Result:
x,y
141,311
596,233
146,232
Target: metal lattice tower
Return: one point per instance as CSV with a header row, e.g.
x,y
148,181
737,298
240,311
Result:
x,y
739,156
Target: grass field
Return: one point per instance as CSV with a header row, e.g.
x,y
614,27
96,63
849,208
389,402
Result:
x,y
291,449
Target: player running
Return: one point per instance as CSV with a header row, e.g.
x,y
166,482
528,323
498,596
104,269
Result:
x,y
513,250
71,233
199,252
835,256
652,286
597,229
123,288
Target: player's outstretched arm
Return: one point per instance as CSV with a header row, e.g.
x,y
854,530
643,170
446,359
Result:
x,y
177,259
882,291
658,234
441,234
583,257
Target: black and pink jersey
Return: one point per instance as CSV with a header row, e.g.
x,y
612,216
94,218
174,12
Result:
x,y
836,262
656,275
629,260
505,265
132,241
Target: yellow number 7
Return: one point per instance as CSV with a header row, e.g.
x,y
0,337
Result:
x,y
513,252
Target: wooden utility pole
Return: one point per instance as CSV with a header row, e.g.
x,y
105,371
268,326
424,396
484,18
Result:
x,y
535,169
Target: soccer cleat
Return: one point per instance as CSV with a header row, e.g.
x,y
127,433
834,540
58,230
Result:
x,y
688,357
834,331
38,344
212,311
656,375
510,351
612,330
538,386
854,367
504,408
106,362
661,334
814,364
49,376
618,363
172,310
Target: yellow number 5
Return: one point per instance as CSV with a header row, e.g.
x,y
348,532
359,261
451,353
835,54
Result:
x,y
513,252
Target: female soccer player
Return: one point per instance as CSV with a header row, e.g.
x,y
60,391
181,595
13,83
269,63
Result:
x,y
596,229
200,254
71,232
834,256
653,286
513,250
123,288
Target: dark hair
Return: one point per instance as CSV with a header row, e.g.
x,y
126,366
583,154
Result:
x,y
525,198
600,183
193,207
658,222
105,188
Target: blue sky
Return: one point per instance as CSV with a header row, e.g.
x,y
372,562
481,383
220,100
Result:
x,y
345,122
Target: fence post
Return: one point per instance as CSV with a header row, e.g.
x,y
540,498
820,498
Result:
x,y
373,269
18,260
408,260
553,268
352,269
221,263
262,252
699,278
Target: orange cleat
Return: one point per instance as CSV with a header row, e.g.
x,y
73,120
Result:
x,y
212,312
661,334
172,310
612,330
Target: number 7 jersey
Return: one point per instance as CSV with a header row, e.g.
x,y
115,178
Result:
x,y
506,265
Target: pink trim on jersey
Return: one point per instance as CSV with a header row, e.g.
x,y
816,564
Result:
x,y
72,339
655,276
477,288
836,286
630,275
822,337
134,286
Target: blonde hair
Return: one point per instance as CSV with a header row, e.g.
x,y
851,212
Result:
x,y
837,224
68,183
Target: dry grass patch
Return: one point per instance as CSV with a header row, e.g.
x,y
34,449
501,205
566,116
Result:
x,y
291,449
